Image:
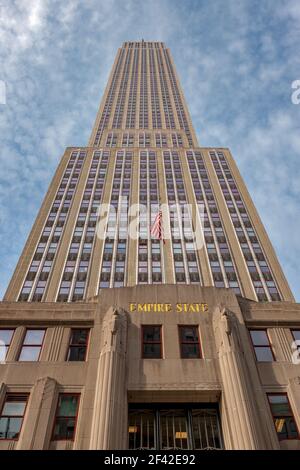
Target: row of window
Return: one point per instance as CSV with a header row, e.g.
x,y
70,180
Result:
x,y
14,408
33,341
144,140
190,345
64,426
262,346
151,343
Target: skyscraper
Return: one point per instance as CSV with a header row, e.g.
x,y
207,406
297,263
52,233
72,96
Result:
x,y
91,269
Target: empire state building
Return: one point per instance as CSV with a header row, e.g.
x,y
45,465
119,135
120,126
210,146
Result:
x,y
114,335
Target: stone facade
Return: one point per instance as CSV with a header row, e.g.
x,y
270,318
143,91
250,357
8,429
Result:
x,y
115,375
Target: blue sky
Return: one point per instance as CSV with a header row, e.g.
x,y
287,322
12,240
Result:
x,y
236,61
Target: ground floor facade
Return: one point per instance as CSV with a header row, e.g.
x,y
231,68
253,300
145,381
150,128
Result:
x,y
150,367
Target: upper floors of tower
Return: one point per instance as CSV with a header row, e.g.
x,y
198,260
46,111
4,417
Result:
x,y
143,93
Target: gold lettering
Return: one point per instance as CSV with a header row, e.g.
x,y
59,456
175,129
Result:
x,y
142,307
167,307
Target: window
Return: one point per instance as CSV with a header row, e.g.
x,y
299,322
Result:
x,y
32,345
12,415
283,416
189,342
78,344
262,346
66,417
176,426
5,340
295,333
151,346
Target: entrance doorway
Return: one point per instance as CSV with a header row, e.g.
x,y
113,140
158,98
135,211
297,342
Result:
x,y
171,426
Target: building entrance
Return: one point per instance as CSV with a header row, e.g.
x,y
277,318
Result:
x,y
181,426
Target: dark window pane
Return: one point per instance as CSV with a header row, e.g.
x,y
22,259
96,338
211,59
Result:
x,y
189,333
67,405
174,432
283,417
64,429
264,354
152,351
151,333
141,429
77,353
79,336
286,428
190,351
280,405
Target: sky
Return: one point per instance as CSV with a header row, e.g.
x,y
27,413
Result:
x,y
236,59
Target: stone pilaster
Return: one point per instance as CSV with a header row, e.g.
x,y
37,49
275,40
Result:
x,y
110,406
40,413
247,428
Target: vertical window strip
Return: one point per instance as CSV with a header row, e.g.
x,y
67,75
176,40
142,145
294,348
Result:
x,y
131,110
109,100
155,105
119,110
42,262
143,113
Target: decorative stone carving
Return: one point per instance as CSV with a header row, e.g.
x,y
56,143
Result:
x,y
110,407
240,383
114,329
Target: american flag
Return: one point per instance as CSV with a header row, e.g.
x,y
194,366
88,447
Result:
x,y
157,229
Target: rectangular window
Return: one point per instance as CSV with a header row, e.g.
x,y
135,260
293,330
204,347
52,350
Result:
x,y
151,342
262,346
32,345
189,342
295,333
5,340
283,416
66,417
78,344
12,416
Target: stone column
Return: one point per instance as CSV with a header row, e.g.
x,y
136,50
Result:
x,y
110,406
39,416
294,397
242,396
